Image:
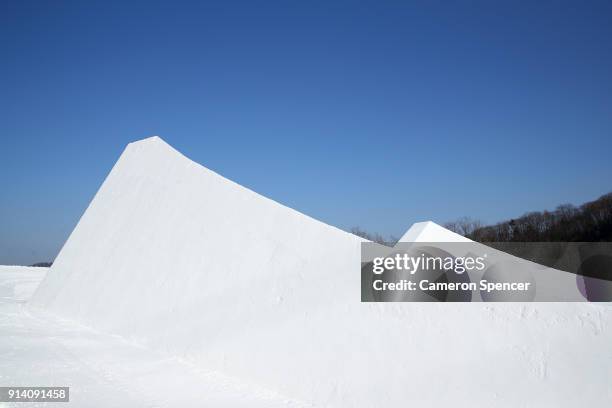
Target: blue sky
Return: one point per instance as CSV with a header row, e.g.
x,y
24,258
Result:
x,y
367,114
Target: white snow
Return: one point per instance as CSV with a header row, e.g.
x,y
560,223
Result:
x,y
18,283
431,232
185,263
102,370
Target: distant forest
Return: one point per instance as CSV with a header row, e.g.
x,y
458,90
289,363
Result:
x,y
590,222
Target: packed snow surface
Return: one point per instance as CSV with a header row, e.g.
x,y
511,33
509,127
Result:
x,y
182,262
103,370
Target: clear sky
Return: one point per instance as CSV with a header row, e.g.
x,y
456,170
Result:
x,y
367,114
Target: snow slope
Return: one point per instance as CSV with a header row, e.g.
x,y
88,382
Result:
x,y
183,261
105,371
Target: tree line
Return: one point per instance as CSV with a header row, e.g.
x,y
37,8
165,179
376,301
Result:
x,y
590,222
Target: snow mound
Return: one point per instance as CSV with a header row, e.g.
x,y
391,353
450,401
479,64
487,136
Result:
x,y
431,232
173,256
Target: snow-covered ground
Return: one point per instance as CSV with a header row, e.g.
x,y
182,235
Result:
x,y
39,349
532,364
18,283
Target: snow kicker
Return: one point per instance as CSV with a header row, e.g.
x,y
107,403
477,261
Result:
x,y
177,258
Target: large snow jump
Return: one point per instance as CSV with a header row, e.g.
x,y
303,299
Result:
x,y
180,259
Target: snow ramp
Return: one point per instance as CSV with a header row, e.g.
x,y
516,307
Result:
x,y
175,257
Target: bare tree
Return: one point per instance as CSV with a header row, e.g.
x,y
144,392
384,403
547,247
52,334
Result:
x,y
464,226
